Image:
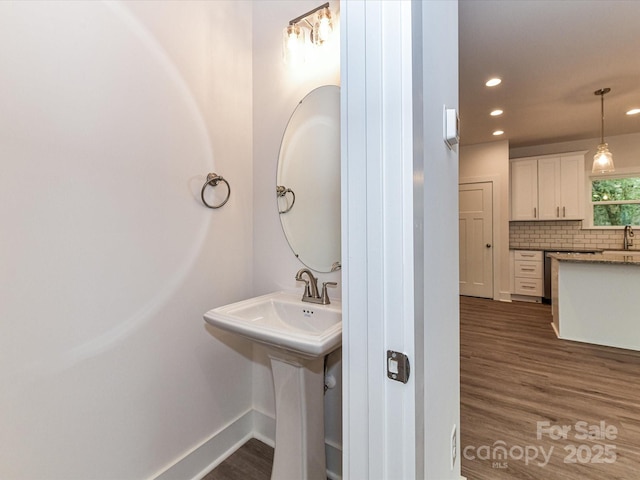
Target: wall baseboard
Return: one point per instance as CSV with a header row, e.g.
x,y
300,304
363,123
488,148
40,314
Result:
x,y
251,424
264,428
204,458
505,296
334,461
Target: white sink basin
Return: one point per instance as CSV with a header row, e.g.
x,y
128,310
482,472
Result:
x,y
623,253
283,320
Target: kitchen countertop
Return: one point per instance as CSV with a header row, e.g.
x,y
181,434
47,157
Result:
x,y
612,259
551,249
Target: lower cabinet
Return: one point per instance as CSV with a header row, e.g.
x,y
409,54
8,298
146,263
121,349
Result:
x,y
528,275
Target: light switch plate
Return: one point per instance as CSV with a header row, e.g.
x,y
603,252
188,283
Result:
x,y
451,127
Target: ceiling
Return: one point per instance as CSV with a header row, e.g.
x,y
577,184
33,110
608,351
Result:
x,y
551,55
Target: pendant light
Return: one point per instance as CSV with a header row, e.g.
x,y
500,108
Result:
x,y
602,160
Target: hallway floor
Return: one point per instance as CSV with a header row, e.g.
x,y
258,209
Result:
x,y
515,373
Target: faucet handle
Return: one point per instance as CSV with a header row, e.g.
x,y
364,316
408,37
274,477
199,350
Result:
x,y
307,290
325,294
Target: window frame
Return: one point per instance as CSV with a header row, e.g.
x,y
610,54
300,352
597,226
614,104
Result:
x,y
621,173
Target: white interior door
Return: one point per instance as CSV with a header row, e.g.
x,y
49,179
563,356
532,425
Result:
x,y
476,239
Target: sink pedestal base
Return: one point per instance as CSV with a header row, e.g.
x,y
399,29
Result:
x,y
299,391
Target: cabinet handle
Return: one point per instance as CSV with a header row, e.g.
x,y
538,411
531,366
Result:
x,y
535,212
557,211
564,211
528,269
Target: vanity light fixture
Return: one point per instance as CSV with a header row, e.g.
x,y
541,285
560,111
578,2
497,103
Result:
x,y
293,45
320,29
602,160
493,82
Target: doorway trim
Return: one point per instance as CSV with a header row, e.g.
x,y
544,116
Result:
x,y
380,416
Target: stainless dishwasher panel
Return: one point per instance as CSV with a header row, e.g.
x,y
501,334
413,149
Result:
x,y
546,298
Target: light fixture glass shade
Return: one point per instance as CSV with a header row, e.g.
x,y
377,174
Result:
x,y
293,46
603,160
323,27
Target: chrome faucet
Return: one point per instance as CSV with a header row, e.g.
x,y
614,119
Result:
x,y
628,237
311,288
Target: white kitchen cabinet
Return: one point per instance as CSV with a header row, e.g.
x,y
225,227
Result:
x,y
571,191
549,187
524,189
528,275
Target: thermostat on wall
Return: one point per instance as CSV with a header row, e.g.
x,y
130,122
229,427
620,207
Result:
x,y
451,127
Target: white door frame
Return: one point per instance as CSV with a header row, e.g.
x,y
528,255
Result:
x,y
400,268
379,414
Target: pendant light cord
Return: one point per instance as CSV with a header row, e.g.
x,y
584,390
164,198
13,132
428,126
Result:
x,y
602,115
602,92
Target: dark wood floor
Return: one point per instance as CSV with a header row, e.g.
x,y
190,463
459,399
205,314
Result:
x,y
252,461
514,373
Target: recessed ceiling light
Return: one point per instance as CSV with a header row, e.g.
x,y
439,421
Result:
x,y
496,112
498,132
633,111
493,82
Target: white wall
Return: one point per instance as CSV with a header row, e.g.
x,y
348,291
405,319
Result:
x,y
111,121
490,162
277,89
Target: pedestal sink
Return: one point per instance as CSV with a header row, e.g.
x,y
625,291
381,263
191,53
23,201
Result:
x,y
298,336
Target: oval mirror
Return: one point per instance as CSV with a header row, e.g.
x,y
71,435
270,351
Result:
x,y
308,180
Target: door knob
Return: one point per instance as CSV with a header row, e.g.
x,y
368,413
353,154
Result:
x,y
488,245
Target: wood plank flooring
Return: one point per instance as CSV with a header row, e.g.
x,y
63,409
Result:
x,y
252,461
515,373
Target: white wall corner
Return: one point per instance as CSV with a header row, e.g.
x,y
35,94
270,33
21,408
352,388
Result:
x,y
264,427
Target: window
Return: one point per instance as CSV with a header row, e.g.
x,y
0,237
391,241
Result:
x,y
615,201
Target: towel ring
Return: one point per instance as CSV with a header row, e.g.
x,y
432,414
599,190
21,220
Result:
x,y
214,179
282,191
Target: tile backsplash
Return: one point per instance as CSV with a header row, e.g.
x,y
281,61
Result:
x,y
562,235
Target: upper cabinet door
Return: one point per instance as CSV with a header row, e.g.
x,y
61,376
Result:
x,y
524,189
572,187
549,188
